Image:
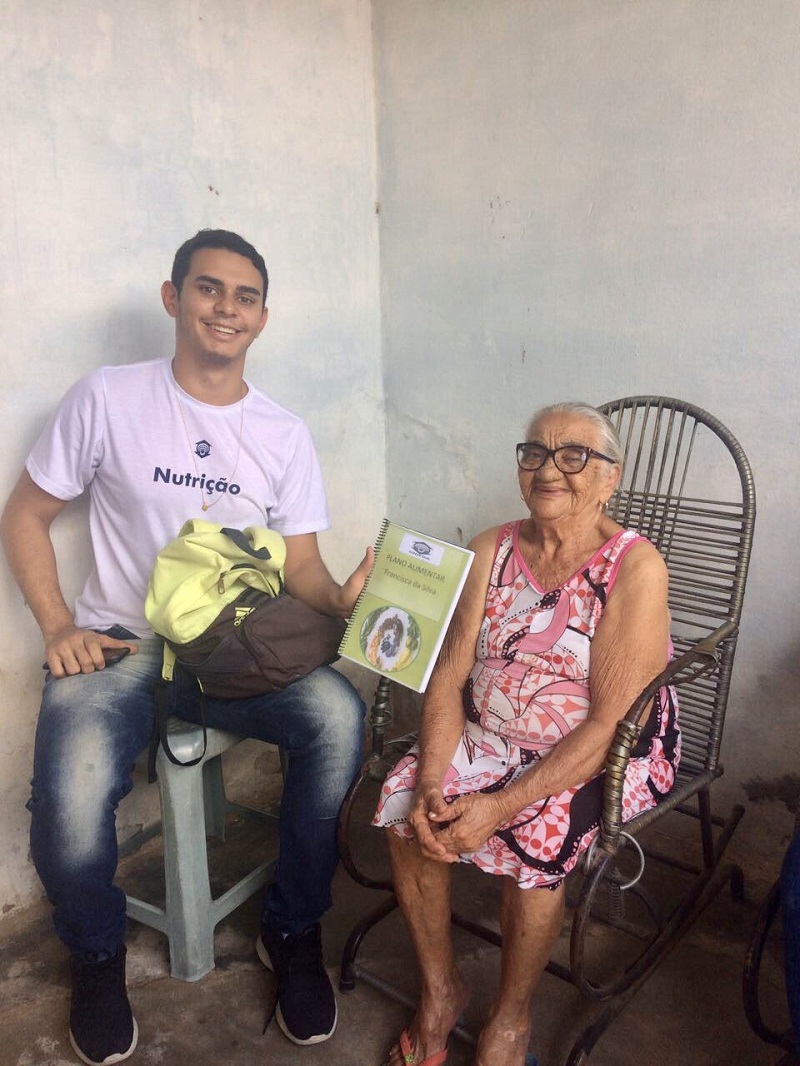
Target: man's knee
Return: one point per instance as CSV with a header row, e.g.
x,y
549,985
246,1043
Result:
x,y
333,707
76,788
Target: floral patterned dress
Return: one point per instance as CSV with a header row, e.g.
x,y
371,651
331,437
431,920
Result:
x,y
529,687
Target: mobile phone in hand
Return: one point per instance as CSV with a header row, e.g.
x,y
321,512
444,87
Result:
x,y
111,656
115,655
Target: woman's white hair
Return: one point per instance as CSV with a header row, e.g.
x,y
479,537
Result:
x,y
611,443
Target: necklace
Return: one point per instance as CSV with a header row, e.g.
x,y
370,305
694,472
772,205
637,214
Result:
x,y
205,502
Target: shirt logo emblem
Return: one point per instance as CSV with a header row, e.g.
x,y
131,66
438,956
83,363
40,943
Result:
x,y
202,449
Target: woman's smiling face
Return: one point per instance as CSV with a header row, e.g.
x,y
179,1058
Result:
x,y
552,495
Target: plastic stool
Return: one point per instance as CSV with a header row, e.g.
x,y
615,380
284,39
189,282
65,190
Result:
x,y
193,804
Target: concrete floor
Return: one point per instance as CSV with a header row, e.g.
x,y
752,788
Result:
x,y
689,1014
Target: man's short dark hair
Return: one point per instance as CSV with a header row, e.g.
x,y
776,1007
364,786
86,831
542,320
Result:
x,y
216,238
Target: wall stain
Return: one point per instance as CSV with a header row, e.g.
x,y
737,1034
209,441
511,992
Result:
x,y
784,789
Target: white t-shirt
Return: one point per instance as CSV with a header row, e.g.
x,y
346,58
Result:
x,y
150,456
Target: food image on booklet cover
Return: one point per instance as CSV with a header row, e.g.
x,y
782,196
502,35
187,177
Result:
x,y
390,638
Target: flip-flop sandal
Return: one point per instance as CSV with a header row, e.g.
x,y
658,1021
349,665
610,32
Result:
x,y
410,1059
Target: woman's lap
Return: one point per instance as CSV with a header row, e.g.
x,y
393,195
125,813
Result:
x,y
544,842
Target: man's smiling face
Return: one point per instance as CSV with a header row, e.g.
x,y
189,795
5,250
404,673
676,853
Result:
x,y
220,310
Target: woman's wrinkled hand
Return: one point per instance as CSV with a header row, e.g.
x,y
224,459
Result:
x,y
444,831
426,819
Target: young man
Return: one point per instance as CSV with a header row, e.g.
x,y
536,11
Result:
x,y
155,443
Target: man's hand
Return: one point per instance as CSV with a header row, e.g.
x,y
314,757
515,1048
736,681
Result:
x,y
79,651
307,577
351,589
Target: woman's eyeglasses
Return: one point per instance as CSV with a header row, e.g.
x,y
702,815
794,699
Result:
x,y
569,459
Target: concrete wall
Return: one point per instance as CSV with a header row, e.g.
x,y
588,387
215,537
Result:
x,y
125,128
576,200
590,200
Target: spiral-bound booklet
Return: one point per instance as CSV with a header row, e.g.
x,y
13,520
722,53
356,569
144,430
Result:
x,y
400,619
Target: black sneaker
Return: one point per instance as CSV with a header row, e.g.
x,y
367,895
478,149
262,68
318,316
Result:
x,y
102,1028
306,1007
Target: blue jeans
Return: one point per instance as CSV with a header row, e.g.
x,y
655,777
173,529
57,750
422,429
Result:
x,y
790,908
92,728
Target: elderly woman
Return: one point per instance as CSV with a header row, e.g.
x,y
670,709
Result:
x,y
561,624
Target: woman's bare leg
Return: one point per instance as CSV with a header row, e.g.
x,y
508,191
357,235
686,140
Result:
x,y
530,921
423,888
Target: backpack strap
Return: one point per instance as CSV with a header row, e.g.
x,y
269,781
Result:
x,y
244,545
167,663
161,695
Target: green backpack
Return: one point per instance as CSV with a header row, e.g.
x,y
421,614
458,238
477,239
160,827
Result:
x,y
216,596
204,570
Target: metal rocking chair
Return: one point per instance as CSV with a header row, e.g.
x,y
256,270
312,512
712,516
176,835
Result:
x,y
688,487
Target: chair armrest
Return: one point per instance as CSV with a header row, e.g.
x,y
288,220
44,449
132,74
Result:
x,y
700,659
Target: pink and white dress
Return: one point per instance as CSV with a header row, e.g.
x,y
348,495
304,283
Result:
x,y
529,687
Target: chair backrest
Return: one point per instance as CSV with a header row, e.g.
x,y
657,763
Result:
x,y
688,487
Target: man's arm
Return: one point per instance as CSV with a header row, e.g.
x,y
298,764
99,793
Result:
x,y
307,578
25,532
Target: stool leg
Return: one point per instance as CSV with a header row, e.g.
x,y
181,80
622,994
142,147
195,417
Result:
x,y
189,927
214,798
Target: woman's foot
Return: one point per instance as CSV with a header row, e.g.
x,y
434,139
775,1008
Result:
x,y
437,1013
503,1044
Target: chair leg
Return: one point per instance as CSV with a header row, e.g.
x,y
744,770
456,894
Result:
x,y
582,1048
349,968
190,924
